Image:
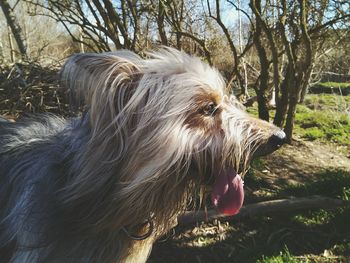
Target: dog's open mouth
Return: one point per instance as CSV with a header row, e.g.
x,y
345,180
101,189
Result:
x,y
228,194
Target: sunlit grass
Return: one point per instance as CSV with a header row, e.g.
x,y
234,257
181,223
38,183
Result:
x,y
335,84
323,117
327,101
314,218
325,125
283,257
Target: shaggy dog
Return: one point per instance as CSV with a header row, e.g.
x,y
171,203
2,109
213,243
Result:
x,y
103,187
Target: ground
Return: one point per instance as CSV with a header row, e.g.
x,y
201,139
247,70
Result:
x,y
299,162
318,163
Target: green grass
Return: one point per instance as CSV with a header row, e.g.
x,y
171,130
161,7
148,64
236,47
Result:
x,y
326,125
313,134
331,84
342,249
257,164
283,257
327,102
323,117
295,227
314,218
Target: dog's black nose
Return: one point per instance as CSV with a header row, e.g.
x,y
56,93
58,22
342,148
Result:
x,y
273,143
277,139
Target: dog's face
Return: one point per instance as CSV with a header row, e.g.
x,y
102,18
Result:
x,y
219,135
172,121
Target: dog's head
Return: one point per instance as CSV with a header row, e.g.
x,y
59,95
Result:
x,y
168,122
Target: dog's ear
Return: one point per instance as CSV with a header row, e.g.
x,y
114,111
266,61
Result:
x,y
104,82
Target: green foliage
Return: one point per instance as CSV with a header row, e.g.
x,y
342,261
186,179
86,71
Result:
x,y
283,257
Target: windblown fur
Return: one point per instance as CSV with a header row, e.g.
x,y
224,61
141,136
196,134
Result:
x,y
149,139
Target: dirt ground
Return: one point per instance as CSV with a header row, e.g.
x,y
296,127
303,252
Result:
x,y
298,162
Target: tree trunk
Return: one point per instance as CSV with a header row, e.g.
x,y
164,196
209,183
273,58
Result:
x,y
305,85
301,71
282,101
160,23
309,56
15,27
262,106
293,101
281,109
261,93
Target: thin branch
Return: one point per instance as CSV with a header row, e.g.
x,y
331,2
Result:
x,y
266,208
328,23
243,11
201,42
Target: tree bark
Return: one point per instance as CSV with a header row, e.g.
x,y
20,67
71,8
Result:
x,y
160,23
262,90
263,26
301,67
282,102
305,84
15,27
293,101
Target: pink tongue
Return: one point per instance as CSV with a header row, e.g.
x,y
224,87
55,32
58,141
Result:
x,y
228,193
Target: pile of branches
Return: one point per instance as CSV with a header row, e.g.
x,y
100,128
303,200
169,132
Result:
x,y
27,88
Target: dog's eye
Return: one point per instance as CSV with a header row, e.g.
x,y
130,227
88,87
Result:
x,y
209,109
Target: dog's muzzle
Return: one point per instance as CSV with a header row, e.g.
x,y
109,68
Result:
x,y
276,140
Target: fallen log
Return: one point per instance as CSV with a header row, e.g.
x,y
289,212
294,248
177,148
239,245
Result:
x,y
265,208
